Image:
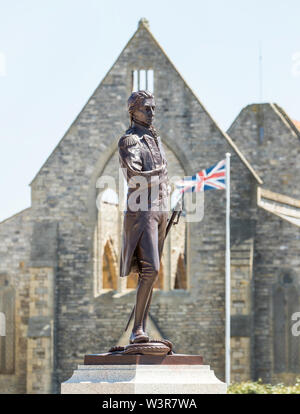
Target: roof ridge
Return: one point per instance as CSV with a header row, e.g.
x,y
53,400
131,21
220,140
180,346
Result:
x,y
225,134
15,214
142,24
295,122
290,213
288,120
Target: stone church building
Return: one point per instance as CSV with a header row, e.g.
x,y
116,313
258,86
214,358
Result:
x,y
60,290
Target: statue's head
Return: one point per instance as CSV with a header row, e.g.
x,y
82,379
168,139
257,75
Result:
x,y
141,107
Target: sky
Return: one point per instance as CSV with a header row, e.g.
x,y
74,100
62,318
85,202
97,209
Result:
x,y
54,53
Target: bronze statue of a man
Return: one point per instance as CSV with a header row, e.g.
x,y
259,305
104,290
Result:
x,y
144,165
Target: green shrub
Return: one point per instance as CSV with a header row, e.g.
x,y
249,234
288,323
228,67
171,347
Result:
x,y
260,388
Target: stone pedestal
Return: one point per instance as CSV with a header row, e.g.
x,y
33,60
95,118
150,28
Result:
x,y
141,374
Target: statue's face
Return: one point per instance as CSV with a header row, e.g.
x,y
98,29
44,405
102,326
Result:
x,y
145,111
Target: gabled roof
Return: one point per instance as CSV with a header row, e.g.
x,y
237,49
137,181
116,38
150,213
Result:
x,y
287,208
297,123
292,125
144,25
15,215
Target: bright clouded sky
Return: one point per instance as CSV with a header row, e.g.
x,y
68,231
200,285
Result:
x,y
54,53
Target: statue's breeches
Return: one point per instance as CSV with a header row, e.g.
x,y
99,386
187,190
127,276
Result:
x,y
149,248
143,241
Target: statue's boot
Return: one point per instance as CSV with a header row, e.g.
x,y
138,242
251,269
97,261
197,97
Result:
x,y
147,311
143,299
148,252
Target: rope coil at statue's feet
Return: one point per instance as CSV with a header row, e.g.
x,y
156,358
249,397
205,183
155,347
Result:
x,y
159,347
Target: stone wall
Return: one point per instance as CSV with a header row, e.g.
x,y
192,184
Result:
x,y
15,233
241,309
272,147
276,255
40,331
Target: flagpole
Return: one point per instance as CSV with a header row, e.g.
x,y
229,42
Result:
x,y
227,274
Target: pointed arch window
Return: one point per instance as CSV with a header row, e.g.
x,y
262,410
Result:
x,y
7,342
106,243
109,267
180,277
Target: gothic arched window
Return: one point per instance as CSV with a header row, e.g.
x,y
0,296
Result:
x,y
106,243
109,267
180,277
7,342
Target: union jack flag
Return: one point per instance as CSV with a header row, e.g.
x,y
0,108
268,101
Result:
x,y
212,178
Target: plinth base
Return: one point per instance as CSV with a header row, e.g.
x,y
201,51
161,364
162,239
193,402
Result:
x,y
125,359
173,374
